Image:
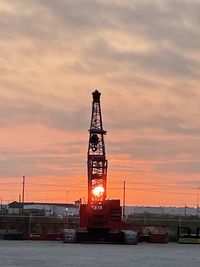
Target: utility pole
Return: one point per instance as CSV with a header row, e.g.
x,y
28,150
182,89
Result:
x,y
67,192
66,206
1,205
124,200
197,201
185,213
23,192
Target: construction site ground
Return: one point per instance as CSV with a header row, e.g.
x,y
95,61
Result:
x,y
57,254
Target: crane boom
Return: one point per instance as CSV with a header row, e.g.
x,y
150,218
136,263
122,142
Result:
x,y
97,162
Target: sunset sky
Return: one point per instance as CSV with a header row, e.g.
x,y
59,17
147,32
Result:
x,y
144,57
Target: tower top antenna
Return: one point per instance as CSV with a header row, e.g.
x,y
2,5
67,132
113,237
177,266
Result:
x,y
96,96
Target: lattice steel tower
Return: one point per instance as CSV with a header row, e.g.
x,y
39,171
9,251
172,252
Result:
x,y
97,162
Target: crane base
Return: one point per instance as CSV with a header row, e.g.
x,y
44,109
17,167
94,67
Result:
x,y
100,236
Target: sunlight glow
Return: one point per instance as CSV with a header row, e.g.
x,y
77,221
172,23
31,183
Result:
x,y
98,191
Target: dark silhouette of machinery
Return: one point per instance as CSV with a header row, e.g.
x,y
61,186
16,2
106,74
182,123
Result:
x,y
99,216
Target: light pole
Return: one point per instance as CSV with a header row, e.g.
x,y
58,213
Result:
x,y
66,207
29,228
67,216
1,205
67,192
23,192
197,201
124,199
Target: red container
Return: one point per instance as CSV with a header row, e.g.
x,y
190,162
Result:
x,y
158,238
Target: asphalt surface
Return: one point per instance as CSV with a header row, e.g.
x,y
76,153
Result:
x,y
57,254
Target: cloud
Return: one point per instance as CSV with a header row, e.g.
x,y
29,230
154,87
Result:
x,y
62,159
142,55
151,154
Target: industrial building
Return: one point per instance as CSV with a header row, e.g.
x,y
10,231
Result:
x,y
56,209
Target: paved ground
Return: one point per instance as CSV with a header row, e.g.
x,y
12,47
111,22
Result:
x,y
57,254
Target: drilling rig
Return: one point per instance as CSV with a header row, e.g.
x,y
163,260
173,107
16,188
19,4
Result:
x,y
100,218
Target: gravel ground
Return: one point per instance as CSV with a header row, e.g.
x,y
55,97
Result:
x,y
54,254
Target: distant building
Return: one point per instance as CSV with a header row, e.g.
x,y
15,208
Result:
x,y
177,211
14,207
57,209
